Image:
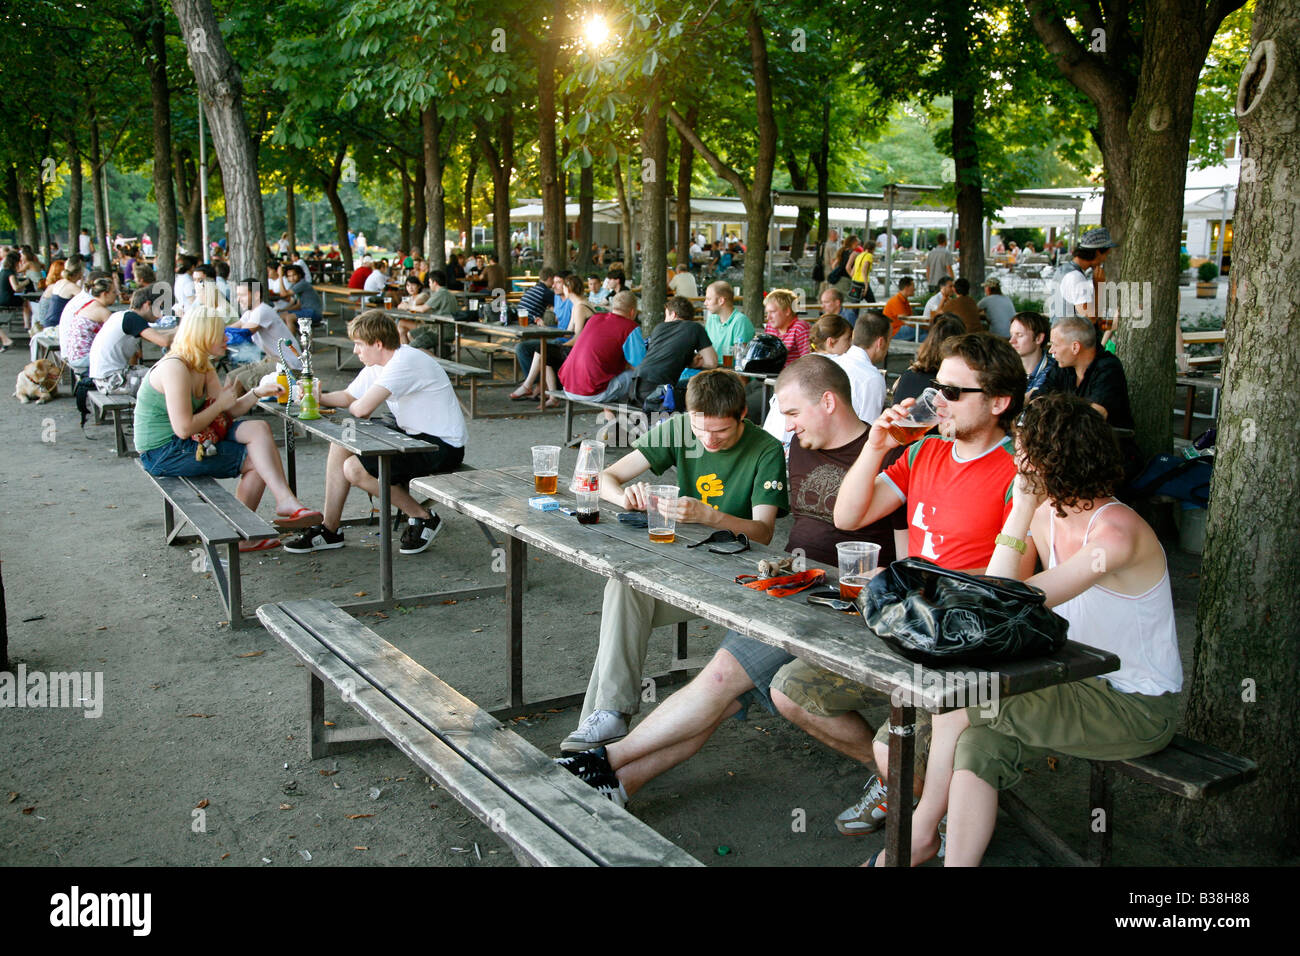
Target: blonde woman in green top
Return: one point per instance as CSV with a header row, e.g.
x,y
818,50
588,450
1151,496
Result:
x,y
168,412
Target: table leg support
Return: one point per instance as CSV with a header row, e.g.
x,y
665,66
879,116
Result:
x,y
291,459
385,528
902,750
1099,798
516,565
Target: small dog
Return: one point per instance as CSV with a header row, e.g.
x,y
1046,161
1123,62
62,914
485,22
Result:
x,y
38,382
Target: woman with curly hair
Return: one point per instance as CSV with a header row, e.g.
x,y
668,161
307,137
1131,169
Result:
x,y
1105,573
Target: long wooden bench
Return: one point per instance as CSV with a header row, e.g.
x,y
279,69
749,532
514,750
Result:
x,y
218,518
117,406
631,420
1214,337
341,344
1186,768
545,815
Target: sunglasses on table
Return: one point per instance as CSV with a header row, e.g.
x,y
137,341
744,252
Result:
x,y
953,393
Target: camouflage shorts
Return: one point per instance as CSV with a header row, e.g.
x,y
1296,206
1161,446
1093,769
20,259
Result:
x,y
827,694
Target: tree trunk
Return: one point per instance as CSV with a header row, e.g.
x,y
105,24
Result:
x,y
419,212
467,210
187,197
685,162
554,244
74,192
291,217
500,161
1159,134
586,199
405,246
1249,605
625,207
822,162
654,252
150,39
434,196
804,220
330,185
97,194
969,181
27,233
221,88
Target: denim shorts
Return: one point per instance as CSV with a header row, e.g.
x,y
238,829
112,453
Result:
x,y
176,458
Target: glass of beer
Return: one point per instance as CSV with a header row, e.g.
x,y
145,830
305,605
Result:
x,y
661,514
546,468
921,417
858,559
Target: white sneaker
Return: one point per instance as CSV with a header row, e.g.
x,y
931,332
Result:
x,y
868,814
599,728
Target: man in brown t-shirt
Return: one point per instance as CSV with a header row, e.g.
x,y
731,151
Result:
x,y
815,396
964,307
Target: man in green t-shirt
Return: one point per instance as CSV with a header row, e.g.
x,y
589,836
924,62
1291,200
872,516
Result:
x,y
730,475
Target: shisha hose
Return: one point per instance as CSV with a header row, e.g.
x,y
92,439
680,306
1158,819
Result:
x,y
288,369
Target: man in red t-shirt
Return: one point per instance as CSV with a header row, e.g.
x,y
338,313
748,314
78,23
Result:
x,y
358,278
597,366
956,487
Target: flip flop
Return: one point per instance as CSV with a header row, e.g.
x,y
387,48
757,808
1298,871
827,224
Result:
x,y
875,858
525,397
266,544
302,518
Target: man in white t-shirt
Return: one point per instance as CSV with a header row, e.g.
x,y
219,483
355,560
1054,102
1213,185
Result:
x,y
683,283
85,245
360,245
117,345
935,304
269,330
377,281
421,398
183,284
1075,293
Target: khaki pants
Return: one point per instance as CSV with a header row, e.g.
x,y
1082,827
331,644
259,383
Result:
x,y
627,617
249,375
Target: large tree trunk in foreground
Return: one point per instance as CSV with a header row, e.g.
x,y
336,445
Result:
x,y
434,196
221,88
1247,655
654,252
1159,135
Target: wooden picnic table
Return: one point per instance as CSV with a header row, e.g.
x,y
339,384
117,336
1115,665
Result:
x,y
516,333
704,584
363,437
1192,383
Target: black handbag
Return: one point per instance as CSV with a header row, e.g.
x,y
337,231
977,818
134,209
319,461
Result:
x,y
939,617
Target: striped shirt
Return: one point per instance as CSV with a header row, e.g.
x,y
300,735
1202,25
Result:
x,y
795,339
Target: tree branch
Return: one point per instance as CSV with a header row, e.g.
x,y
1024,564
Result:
x,y
1086,72
710,157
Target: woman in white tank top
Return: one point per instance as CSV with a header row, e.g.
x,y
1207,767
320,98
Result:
x,y
1104,571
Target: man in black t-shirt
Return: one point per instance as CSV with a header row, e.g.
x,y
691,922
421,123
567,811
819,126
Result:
x,y
677,344
1088,372
815,395
540,297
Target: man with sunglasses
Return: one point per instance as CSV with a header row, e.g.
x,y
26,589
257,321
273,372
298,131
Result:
x,y
957,489
815,396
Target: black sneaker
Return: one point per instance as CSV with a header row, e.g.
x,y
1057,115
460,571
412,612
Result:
x,y
592,767
317,538
417,537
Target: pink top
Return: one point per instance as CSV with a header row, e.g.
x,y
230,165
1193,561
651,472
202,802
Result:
x,y
795,339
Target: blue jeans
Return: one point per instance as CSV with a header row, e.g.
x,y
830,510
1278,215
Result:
x,y
908,334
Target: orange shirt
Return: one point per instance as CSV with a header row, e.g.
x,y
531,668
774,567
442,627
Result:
x,y
896,309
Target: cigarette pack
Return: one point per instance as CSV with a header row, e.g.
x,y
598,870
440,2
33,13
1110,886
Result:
x,y
543,503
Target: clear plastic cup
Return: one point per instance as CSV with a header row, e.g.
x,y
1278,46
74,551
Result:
x,y
546,468
661,519
921,417
858,559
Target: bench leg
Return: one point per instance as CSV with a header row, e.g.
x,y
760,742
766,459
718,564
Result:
x,y
1099,798
316,716
473,396
568,423
902,749
235,589
172,529
681,641
329,741
119,435
291,461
